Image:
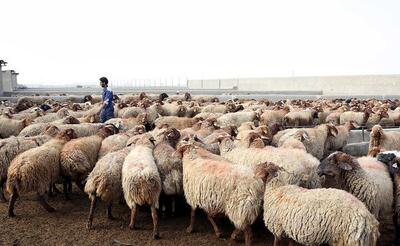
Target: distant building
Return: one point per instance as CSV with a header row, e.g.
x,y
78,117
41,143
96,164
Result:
x,y
2,63
9,78
323,85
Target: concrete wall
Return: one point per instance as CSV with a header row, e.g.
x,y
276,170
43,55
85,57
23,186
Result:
x,y
329,85
1,81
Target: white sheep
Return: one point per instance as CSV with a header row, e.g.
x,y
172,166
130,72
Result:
x,y
215,185
365,178
299,164
141,181
36,170
12,146
384,140
104,181
316,216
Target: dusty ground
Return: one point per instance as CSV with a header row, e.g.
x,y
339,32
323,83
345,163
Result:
x,y
34,226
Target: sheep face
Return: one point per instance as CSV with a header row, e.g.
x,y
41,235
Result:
x,y
67,134
376,135
335,164
51,131
391,161
266,171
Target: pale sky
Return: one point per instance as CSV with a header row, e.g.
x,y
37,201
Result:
x,y
78,41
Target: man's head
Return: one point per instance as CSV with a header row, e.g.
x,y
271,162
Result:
x,y
103,82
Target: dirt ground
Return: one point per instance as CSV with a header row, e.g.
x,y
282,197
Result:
x,y
34,226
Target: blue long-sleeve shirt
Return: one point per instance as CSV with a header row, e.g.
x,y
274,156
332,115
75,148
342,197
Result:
x,y
107,99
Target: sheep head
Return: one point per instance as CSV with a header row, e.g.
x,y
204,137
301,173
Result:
x,y
336,164
266,171
187,96
162,96
108,130
67,134
332,130
181,111
392,160
376,135
87,98
51,130
70,120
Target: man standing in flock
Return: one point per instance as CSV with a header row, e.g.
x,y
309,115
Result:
x,y
107,108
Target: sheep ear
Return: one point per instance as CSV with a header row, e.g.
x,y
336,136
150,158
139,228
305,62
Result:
x,y
305,137
355,125
333,130
345,166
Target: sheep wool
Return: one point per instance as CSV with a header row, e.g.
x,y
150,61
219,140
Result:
x,y
317,216
141,181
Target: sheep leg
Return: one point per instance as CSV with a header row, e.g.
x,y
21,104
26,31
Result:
x,y
134,211
277,241
57,191
154,216
51,194
235,234
80,185
173,206
109,212
215,226
91,212
11,205
2,196
67,181
44,204
190,228
248,236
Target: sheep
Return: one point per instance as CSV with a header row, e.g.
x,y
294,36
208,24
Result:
x,y
10,127
79,156
83,129
104,181
176,122
66,120
128,123
294,140
36,170
392,160
263,131
384,140
316,216
62,113
118,141
206,115
169,166
33,129
237,118
27,102
215,185
131,112
170,109
300,164
270,117
300,118
318,138
340,140
251,140
359,117
141,182
376,118
11,147
365,178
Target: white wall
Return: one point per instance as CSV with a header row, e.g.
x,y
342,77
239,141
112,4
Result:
x,y
7,80
1,81
329,85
